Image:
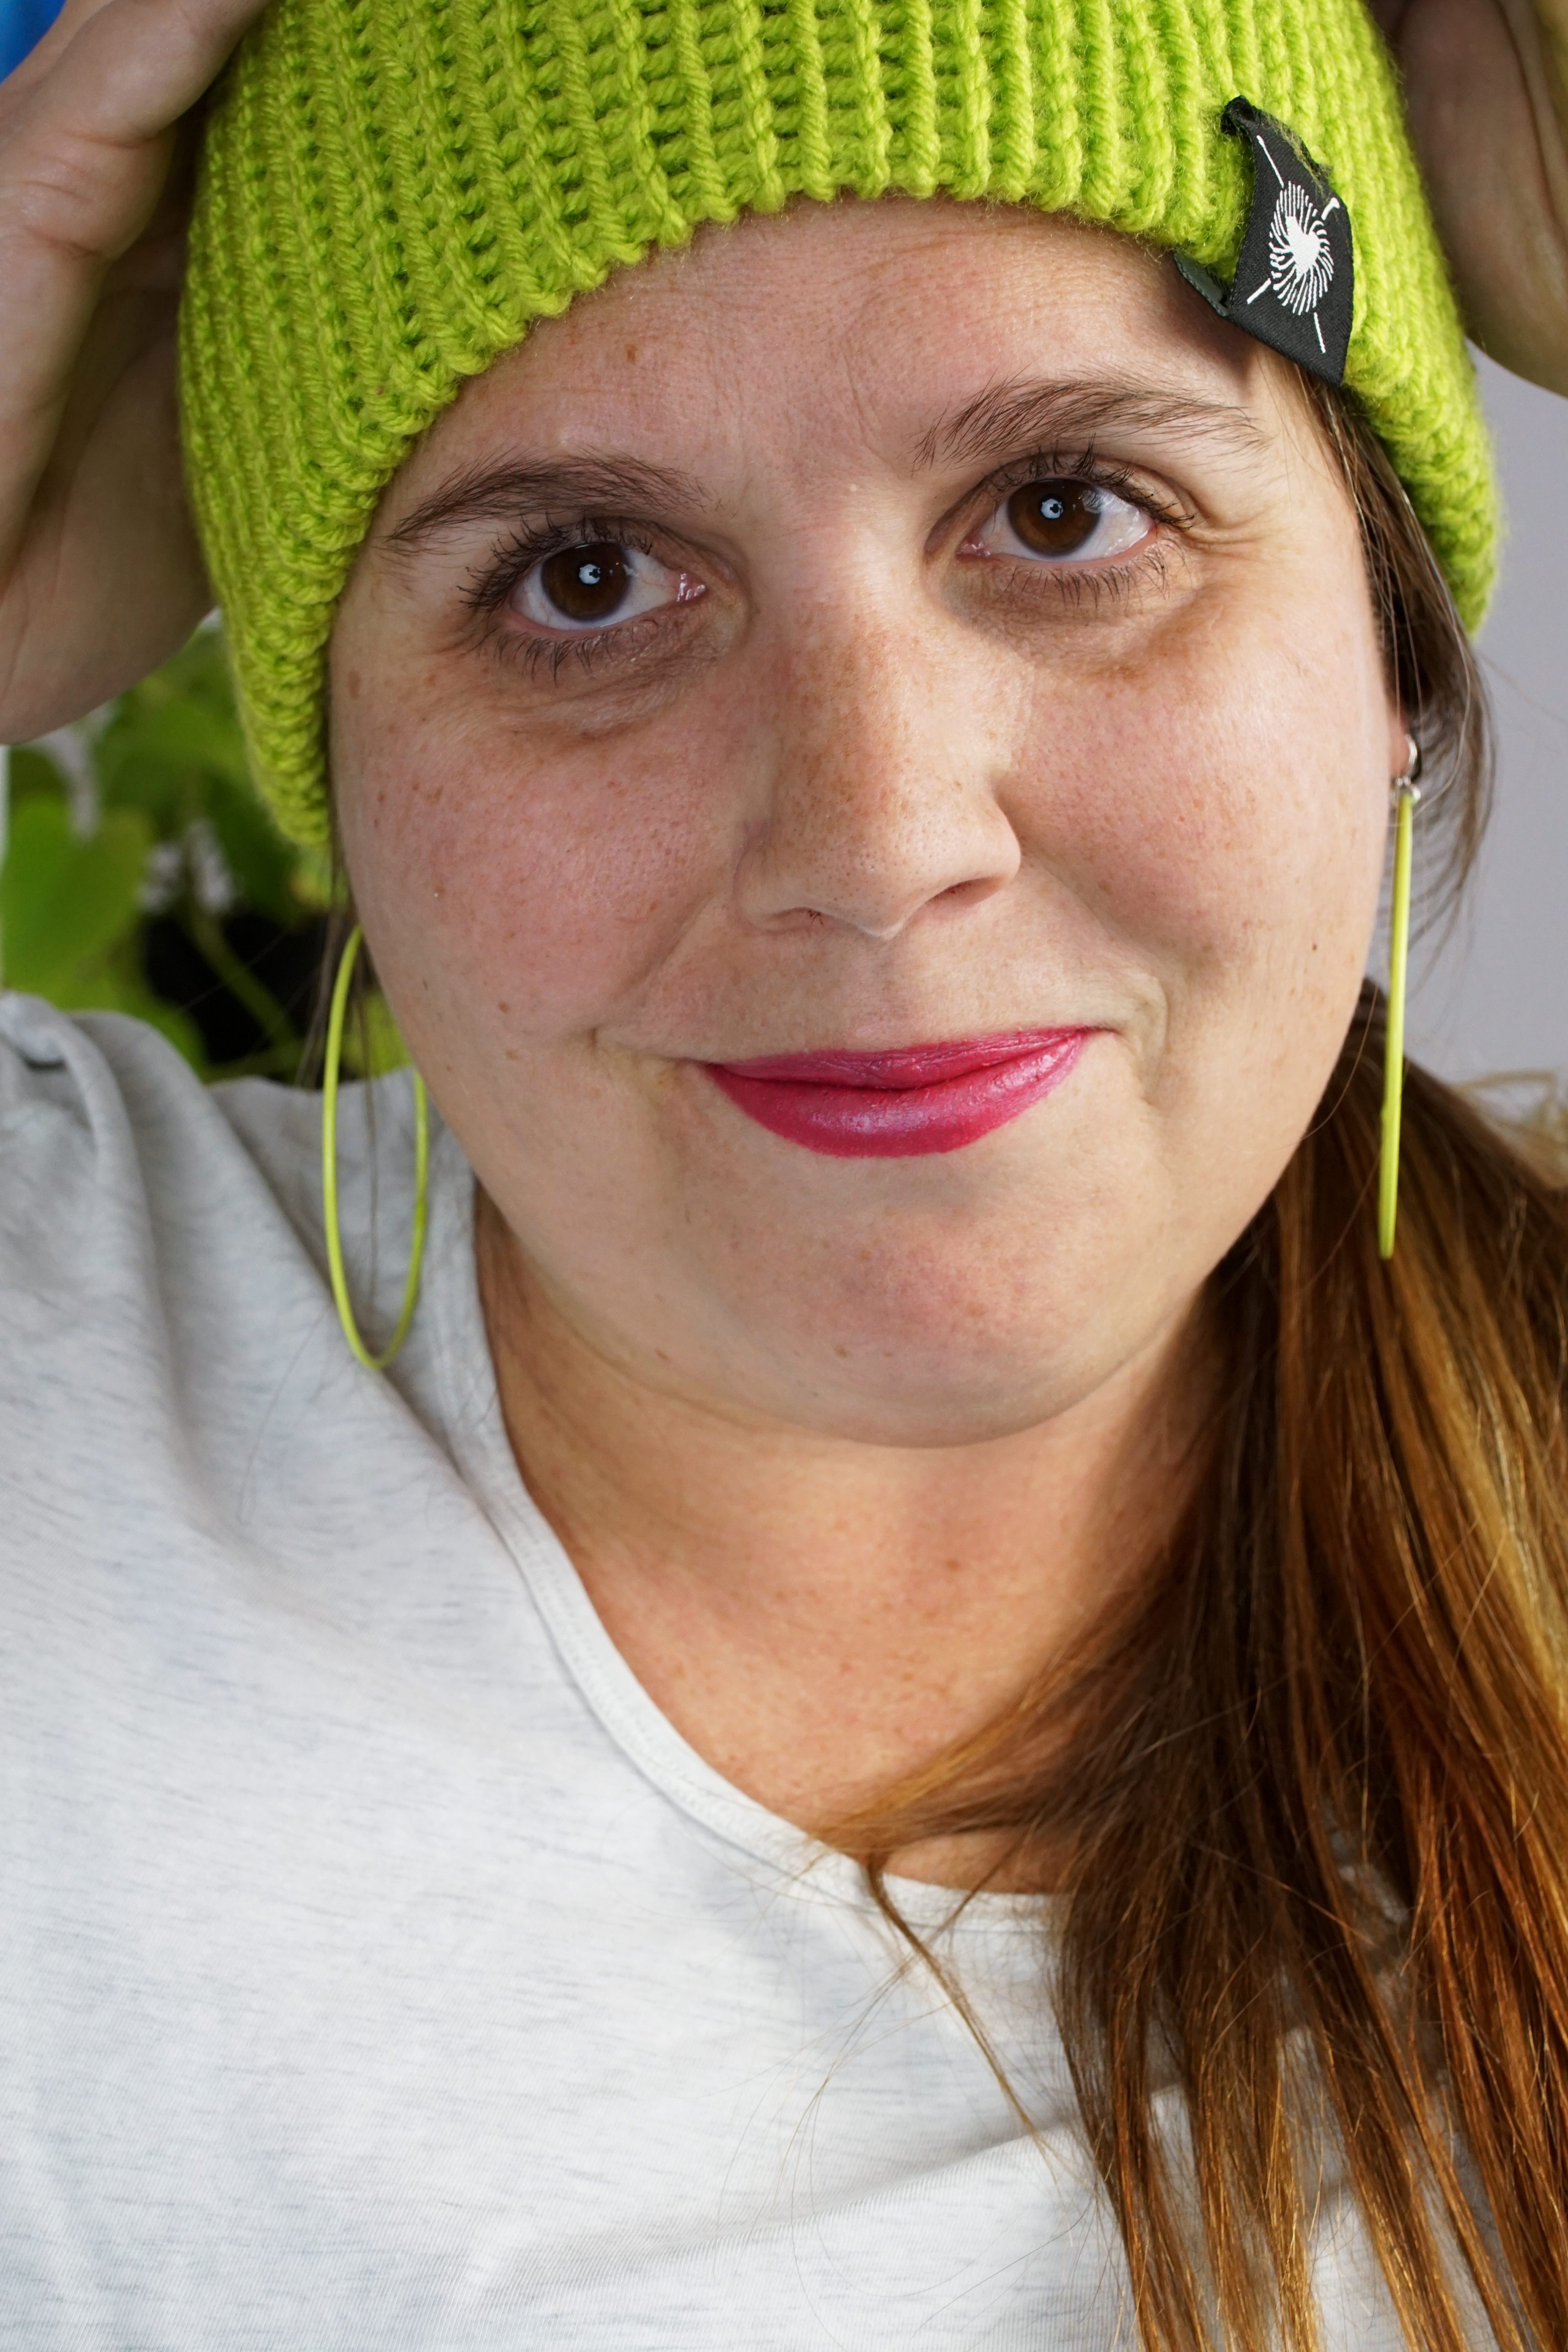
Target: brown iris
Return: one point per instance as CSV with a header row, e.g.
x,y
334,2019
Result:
x,y
587,584
1055,517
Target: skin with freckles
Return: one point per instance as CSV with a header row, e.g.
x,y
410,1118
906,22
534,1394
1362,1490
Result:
x,y
711,688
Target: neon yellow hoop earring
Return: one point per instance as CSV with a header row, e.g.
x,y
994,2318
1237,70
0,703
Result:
x,y
330,1177
1406,792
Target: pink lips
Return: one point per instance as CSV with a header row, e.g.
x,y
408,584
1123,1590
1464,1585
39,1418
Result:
x,y
915,1099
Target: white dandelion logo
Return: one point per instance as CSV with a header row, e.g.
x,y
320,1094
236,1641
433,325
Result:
x,y
1300,262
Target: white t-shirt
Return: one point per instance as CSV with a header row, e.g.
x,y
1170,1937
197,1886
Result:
x,y
378,1967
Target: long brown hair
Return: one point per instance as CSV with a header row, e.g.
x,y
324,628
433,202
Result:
x,y
1313,1790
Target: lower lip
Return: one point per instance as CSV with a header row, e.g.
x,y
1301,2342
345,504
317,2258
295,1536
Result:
x,y
893,1106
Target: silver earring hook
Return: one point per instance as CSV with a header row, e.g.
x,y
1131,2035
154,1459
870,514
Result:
x,y
1406,785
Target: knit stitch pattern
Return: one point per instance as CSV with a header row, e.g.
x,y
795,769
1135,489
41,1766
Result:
x,y
391,190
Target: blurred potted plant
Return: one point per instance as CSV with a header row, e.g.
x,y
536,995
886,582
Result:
x,y
143,875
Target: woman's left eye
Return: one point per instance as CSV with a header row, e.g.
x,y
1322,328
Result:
x,y
1061,521
596,584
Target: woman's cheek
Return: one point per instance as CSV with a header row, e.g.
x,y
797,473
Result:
x,y
1243,822
1225,819
553,888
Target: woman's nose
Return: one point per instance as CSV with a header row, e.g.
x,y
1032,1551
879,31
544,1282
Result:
x,y
880,795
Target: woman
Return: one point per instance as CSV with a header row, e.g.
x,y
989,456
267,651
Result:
x,y
926,1707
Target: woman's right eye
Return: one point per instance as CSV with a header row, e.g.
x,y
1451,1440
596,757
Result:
x,y
1062,520
596,585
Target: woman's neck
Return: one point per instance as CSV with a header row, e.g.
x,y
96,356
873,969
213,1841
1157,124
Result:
x,y
818,1617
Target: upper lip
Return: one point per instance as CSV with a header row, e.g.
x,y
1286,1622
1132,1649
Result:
x,y
897,1069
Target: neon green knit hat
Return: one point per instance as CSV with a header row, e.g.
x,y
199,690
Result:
x,y
393,189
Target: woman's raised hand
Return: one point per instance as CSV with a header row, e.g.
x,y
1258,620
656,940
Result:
x,y
1487,83
100,576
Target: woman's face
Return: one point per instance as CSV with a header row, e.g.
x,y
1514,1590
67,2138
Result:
x,y
879,627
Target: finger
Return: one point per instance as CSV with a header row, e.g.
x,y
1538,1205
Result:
x,y
122,68
48,46
1551,27
84,149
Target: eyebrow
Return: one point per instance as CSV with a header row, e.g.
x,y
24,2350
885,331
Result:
x,y
502,493
991,426
1005,415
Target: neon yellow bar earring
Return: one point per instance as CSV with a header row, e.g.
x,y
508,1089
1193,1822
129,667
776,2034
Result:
x,y
1406,791
330,1177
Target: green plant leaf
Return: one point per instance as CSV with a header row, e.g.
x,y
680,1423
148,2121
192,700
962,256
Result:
x,y
169,793
65,902
185,734
168,757
33,775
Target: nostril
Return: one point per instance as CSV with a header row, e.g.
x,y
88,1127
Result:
x,y
971,890
866,831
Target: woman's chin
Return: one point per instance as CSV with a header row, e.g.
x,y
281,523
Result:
x,y
904,1326
927,1379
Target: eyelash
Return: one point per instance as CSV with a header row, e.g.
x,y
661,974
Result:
x,y
1081,466
522,549
512,557
516,554
1078,583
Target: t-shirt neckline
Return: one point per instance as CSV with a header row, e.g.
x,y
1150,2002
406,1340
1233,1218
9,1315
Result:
x,y
475,1431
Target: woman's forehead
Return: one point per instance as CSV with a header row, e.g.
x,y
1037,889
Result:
x,y
927,329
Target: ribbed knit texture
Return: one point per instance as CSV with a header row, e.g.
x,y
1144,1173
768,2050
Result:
x,y
393,189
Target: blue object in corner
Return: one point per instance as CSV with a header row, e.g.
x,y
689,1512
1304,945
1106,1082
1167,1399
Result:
x,y
22,22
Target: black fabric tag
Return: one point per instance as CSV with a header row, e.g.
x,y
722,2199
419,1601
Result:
x,y
1296,275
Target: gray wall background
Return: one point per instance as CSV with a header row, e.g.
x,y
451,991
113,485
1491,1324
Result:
x,y
1494,997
